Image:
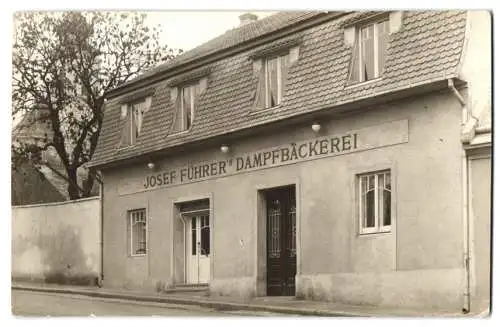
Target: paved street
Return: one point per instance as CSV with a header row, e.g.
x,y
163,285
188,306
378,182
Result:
x,y
28,303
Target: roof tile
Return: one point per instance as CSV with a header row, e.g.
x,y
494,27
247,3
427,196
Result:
x,y
427,47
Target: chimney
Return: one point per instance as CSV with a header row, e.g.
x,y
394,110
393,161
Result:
x,y
247,18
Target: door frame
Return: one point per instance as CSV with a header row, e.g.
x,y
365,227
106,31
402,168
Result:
x,y
174,250
260,254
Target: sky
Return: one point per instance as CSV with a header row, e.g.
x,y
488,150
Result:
x,y
188,29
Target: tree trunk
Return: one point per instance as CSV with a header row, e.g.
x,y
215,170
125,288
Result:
x,y
73,191
88,184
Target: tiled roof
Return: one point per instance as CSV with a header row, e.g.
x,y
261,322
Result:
x,y
426,48
29,186
231,38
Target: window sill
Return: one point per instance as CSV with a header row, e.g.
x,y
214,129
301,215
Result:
x,y
354,85
374,233
261,111
128,147
137,255
179,133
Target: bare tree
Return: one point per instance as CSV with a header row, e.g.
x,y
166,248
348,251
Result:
x,y
65,63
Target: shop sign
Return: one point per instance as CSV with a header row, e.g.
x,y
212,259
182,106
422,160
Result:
x,y
325,146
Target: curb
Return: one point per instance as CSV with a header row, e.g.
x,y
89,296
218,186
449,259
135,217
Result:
x,y
218,305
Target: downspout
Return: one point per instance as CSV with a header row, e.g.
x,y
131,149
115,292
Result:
x,y
101,216
465,198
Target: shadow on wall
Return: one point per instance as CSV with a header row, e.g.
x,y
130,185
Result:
x,y
61,257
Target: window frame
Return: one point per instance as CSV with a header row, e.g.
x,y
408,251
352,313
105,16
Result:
x,y
379,226
179,109
133,128
130,224
192,89
358,50
280,87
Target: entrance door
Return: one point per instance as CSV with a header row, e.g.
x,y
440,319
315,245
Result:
x,y
198,249
281,241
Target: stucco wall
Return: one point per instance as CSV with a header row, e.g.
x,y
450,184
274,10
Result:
x,y
58,242
480,217
418,262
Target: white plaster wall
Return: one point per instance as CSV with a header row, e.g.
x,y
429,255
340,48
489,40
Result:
x,y
57,242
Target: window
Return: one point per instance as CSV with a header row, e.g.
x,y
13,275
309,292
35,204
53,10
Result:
x,y
369,51
204,235
133,113
138,232
375,202
271,91
185,107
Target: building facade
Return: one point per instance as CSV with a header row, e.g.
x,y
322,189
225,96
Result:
x,y
338,156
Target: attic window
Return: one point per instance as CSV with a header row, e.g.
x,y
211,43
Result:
x,y
370,46
275,71
185,109
271,66
132,116
186,99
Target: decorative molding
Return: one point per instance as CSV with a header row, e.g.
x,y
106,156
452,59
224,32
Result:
x,y
395,21
349,35
257,65
203,84
123,112
173,94
294,54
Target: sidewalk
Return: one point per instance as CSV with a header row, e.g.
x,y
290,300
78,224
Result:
x,y
286,305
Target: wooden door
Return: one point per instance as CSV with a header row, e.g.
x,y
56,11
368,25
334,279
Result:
x,y
281,241
198,249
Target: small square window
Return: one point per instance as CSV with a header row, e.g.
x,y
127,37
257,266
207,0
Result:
x,y
137,232
374,198
369,51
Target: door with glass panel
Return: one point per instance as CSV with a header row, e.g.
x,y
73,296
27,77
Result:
x,y
281,241
198,249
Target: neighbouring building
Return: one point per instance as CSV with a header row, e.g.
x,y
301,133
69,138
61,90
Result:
x,y
338,156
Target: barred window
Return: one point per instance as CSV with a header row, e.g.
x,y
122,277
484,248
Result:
x,y
138,232
375,202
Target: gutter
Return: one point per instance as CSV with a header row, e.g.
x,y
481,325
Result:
x,y
467,130
469,121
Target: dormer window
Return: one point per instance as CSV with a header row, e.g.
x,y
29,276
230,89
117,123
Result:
x,y
184,115
270,66
370,48
275,72
132,115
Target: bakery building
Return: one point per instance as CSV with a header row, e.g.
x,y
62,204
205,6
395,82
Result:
x,y
335,156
